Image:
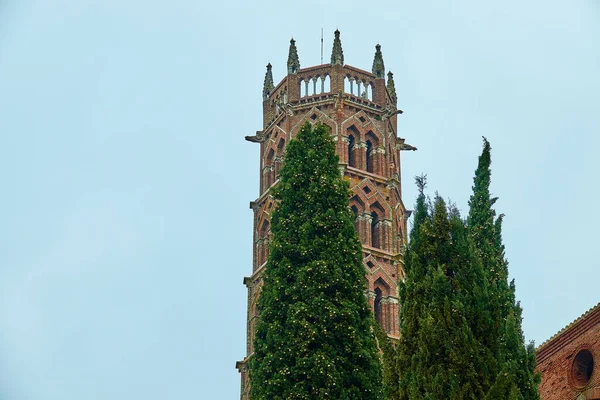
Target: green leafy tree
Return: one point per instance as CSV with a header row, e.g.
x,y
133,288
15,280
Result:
x,y
314,337
511,364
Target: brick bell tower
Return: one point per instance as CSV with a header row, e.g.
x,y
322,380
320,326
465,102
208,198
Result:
x,y
360,108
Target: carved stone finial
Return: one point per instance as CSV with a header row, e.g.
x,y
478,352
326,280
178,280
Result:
x,y
268,85
293,62
337,55
378,66
391,87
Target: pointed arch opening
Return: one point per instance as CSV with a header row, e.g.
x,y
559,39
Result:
x,y
377,234
354,210
381,306
372,143
347,85
353,136
369,156
375,237
268,171
263,242
302,88
327,84
351,144
311,86
377,305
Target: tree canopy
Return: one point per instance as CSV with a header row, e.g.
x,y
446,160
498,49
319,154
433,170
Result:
x,y
314,336
461,335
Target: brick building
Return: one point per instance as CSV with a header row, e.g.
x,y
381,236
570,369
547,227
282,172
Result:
x,y
569,360
360,108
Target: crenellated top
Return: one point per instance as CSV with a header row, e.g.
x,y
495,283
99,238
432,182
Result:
x,y
320,82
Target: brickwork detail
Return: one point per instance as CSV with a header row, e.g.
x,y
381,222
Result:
x,y
564,362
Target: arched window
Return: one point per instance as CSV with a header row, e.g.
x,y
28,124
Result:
x,y
377,307
277,163
375,239
355,212
263,237
369,156
353,136
264,229
268,170
327,85
351,155
373,160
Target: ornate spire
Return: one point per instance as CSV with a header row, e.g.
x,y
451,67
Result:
x,y
391,87
378,67
293,60
268,85
337,55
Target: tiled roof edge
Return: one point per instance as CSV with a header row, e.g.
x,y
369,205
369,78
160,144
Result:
x,y
547,348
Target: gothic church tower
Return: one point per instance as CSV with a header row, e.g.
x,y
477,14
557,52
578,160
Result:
x,y
360,108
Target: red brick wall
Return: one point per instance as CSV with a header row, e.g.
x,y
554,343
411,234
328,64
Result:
x,y
556,359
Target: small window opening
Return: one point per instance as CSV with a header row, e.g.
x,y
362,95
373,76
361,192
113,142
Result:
x,y
375,240
355,212
351,161
378,305
583,368
369,156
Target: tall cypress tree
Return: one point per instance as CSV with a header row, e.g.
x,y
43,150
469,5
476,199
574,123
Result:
x,y
314,338
437,352
461,334
412,296
511,364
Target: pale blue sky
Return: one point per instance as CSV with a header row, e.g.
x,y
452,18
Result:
x,y
126,232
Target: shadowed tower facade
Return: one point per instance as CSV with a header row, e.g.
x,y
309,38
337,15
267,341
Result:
x,y
361,111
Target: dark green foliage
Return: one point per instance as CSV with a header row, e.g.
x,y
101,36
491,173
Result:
x,y
437,353
389,364
504,336
461,335
314,338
